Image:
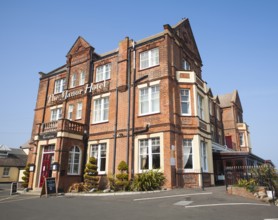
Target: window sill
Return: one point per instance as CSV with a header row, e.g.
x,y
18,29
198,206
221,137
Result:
x,y
148,67
73,174
149,114
101,122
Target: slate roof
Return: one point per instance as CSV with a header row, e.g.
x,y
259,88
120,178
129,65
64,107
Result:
x,y
227,99
16,158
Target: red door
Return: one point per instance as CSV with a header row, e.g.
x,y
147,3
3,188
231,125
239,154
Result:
x,y
229,142
46,167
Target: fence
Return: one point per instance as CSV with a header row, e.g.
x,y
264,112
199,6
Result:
x,y
263,175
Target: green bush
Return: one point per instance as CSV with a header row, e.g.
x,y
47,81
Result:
x,y
151,180
265,175
250,185
120,181
25,178
90,176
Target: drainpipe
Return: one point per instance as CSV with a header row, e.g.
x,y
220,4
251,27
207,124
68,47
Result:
x,y
116,121
128,113
133,109
86,133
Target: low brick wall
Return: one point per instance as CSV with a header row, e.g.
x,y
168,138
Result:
x,y
240,191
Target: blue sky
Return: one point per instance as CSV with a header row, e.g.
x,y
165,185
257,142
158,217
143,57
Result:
x,y
237,41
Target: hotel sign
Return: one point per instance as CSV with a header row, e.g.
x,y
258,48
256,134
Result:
x,y
89,88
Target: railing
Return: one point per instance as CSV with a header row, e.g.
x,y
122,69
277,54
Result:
x,y
62,125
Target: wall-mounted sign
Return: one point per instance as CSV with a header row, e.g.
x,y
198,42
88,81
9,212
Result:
x,y
88,88
48,136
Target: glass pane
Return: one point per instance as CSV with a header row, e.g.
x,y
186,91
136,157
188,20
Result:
x,y
102,164
189,162
185,108
144,162
156,161
75,168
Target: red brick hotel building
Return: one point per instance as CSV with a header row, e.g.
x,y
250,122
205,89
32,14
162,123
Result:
x,y
145,102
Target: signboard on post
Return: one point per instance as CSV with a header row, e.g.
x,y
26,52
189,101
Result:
x,y
49,186
13,188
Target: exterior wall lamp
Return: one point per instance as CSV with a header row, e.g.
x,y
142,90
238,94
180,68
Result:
x,y
32,167
55,166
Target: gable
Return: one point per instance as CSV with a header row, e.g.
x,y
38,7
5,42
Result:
x,y
184,32
236,100
79,45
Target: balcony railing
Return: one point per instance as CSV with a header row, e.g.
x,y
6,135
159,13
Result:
x,y
62,125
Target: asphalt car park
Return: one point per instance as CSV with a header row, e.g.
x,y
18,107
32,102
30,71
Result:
x,y
212,203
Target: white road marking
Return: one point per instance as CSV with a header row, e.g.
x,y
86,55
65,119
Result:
x,y
7,198
173,196
16,200
183,203
271,219
226,204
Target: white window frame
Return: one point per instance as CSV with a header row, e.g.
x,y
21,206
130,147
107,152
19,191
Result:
x,y
59,85
204,156
149,153
200,104
6,172
79,110
73,80
187,152
99,157
99,110
186,65
149,58
72,163
82,77
185,101
241,139
103,72
149,99
56,114
70,111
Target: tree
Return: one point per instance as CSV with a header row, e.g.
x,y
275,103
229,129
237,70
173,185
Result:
x,y
90,176
122,178
25,178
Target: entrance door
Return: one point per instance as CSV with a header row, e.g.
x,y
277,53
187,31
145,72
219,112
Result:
x,y
47,160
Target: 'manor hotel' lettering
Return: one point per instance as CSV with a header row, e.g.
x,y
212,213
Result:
x,y
89,88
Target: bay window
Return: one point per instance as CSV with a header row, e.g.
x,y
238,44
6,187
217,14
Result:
x,y
187,154
204,162
200,104
185,101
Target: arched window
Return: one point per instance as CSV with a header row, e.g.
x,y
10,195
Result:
x,y
74,161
